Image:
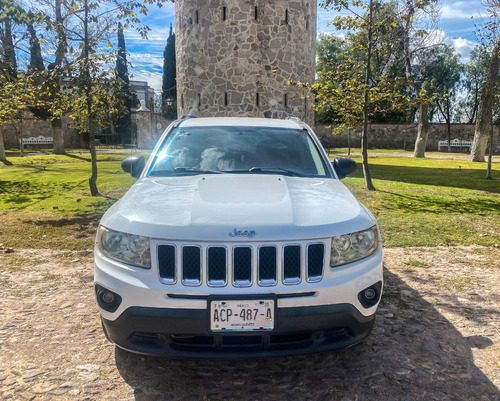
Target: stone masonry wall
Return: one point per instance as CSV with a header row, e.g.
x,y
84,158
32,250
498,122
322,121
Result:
x,y
400,136
34,128
234,57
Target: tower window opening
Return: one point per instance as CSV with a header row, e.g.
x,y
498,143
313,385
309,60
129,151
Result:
x,y
257,99
182,101
286,16
307,22
199,99
224,13
285,100
256,13
196,17
226,99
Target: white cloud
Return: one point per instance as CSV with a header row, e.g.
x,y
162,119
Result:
x,y
464,47
152,60
154,79
461,10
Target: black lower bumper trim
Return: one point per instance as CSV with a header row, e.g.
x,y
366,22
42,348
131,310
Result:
x,y
185,332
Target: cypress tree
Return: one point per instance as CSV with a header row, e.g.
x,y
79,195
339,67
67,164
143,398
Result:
x,y
169,84
36,60
9,54
124,90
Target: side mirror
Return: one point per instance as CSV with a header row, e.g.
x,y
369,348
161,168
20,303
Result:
x,y
134,165
344,166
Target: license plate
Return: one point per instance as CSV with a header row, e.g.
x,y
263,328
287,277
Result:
x,y
242,315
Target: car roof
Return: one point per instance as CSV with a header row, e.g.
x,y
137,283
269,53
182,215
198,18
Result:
x,y
239,122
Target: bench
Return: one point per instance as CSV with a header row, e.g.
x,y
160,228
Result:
x,y
37,140
455,143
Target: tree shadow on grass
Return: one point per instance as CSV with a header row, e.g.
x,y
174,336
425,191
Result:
x,y
419,203
6,162
414,353
29,193
442,177
74,156
81,219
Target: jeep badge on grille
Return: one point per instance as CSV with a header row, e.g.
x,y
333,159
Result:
x,y
241,233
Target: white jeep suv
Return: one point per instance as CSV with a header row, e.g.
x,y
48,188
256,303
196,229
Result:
x,y
237,239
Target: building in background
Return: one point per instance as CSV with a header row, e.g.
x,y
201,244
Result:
x,y
142,92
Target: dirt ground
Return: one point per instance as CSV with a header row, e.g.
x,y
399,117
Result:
x,y
436,337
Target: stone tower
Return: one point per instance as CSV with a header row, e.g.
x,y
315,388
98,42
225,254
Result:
x,y
234,57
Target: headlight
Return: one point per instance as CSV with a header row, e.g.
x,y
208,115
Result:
x,y
348,248
127,248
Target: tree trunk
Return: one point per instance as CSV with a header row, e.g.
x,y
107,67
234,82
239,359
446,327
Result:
x,y
88,93
58,136
3,156
422,130
22,137
423,115
448,125
94,191
490,154
472,119
348,142
364,139
486,103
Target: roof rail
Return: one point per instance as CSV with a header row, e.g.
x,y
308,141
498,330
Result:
x,y
301,123
182,118
293,118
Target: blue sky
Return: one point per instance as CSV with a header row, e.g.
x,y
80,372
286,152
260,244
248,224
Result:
x,y
456,27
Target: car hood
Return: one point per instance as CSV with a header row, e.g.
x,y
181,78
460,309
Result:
x,y
212,207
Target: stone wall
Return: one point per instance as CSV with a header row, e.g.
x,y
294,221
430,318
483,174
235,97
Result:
x,y
235,57
400,136
34,128
385,136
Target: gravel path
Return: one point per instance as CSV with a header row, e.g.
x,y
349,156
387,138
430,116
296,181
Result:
x,y
436,337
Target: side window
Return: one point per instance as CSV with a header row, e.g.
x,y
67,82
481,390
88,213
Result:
x,y
320,168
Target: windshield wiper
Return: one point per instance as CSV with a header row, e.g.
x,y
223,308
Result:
x,y
266,170
182,171
271,169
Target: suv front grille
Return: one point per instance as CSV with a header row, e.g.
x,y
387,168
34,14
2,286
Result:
x,y
241,265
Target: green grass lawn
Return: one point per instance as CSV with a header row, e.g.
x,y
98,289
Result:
x,y
45,201
60,183
427,202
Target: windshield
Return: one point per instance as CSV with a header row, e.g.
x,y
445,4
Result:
x,y
249,150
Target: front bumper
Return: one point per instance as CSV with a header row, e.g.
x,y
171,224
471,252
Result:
x,y
185,332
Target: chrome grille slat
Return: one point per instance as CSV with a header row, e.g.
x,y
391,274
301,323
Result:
x,y
241,264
